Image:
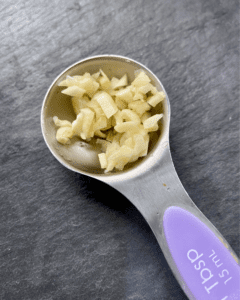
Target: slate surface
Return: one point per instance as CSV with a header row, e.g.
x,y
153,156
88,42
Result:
x,y
65,236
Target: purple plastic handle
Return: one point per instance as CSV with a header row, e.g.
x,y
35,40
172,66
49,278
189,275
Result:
x,y
207,267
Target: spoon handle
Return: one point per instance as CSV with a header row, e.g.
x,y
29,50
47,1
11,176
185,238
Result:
x,y
202,261
206,266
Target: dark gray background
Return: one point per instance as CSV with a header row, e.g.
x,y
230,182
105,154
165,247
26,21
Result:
x,y
65,236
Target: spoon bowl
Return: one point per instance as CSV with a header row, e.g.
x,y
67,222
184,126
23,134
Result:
x,y
80,156
201,259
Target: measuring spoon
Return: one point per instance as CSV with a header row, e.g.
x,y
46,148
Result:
x,y
202,261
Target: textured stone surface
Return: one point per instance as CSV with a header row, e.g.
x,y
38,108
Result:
x,y
59,238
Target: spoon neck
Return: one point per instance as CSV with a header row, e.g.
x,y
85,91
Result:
x,y
156,189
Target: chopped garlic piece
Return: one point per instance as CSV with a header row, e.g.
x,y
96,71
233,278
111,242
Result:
x,y
105,83
157,98
129,115
87,130
77,124
74,91
151,124
100,123
140,80
118,83
140,107
125,126
103,160
107,104
96,75
89,85
79,102
147,88
61,123
64,134
124,156
145,116
125,94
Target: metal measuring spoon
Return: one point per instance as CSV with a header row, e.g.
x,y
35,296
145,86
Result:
x,y
202,261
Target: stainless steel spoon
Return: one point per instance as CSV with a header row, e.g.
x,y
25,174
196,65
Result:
x,y
202,261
